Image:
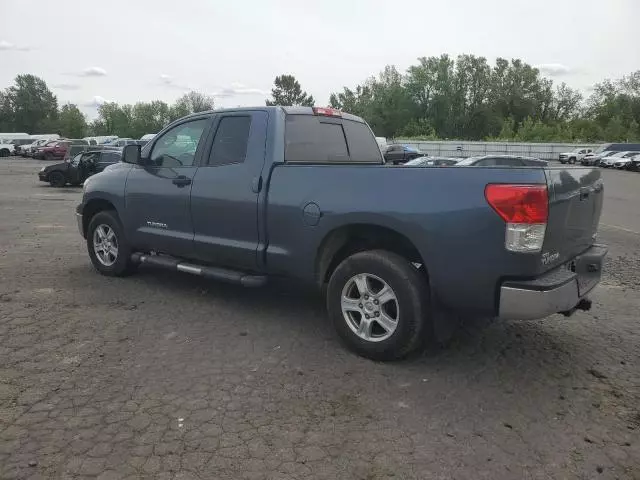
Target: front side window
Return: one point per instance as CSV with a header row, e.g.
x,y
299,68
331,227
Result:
x,y
230,142
177,146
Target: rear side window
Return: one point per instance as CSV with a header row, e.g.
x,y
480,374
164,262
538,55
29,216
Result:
x,y
487,162
362,144
312,140
230,142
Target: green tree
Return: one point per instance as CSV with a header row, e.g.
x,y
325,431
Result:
x,y
114,119
71,122
193,102
149,117
287,91
29,106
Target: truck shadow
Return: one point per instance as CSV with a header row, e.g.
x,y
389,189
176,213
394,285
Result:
x,y
292,307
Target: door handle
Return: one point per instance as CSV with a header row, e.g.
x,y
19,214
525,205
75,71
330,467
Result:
x,y
182,181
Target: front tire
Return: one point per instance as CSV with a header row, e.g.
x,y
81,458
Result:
x,y
108,247
379,305
57,179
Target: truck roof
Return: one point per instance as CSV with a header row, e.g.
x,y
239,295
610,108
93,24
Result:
x,y
288,110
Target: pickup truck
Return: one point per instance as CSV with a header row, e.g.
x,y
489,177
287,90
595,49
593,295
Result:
x,y
574,156
242,195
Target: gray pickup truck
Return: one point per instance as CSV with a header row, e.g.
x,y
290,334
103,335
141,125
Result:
x,y
245,194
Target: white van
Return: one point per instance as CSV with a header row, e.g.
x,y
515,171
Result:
x,y
7,137
46,136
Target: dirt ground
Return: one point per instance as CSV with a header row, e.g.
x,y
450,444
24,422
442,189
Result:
x,y
165,375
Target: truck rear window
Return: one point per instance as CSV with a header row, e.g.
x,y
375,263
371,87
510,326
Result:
x,y
316,139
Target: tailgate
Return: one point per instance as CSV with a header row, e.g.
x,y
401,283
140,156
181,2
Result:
x,y
575,203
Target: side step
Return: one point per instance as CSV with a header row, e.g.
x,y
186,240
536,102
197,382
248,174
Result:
x,y
222,274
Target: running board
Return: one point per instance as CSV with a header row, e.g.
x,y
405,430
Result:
x,y
215,273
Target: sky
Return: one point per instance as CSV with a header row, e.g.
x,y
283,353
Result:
x,y
91,51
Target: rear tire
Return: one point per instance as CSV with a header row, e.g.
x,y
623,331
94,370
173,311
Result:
x,y
4,152
57,180
118,262
400,320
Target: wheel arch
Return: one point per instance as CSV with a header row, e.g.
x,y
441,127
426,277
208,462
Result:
x,y
94,206
346,240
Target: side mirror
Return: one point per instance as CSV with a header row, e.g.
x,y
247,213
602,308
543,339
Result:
x,y
131,154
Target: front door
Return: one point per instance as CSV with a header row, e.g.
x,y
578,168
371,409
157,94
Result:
x,y
158,194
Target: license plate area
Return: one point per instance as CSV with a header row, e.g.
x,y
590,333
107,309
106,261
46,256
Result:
x,y
588,268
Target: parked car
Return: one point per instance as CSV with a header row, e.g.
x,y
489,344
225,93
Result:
x,y
594,158
7,149
575,155
634,166
121,142
7,137
432,162
57,150
501,161
397,154
26,150
241,195
611,160
618,147
19,143
78,169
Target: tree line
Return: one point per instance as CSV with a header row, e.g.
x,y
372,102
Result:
x,y
29,106
437,98
467,98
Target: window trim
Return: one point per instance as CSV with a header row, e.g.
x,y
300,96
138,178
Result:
x,y
206,159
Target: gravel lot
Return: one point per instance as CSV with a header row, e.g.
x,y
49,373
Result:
x,y
167,375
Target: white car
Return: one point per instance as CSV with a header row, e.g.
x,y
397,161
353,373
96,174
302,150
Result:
x,y
575,155
619,157
26,150
6,149
595,158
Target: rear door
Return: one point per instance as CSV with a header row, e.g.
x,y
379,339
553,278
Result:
x,y
158,195
575,204
224,196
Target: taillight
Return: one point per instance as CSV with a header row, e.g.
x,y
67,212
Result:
x,y
525,209
327,112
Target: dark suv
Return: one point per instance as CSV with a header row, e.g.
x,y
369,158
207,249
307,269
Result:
x,y
77,170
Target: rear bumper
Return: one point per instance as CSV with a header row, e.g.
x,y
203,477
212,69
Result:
x,y
557,291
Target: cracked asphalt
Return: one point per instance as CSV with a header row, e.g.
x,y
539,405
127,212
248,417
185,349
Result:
x,y
165,375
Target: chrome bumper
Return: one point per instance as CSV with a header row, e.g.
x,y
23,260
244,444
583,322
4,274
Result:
x,y
558,291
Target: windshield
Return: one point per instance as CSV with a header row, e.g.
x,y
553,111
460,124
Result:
x,y
418,161
602,148
467,161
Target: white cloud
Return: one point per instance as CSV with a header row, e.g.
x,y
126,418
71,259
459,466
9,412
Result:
x,y
238,89
95,102
66,86
94,72
554,69
169,82
4,45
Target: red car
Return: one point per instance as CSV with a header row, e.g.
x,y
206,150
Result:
x,y
57,149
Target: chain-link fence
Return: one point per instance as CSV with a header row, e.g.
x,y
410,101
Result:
x,y
544,151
